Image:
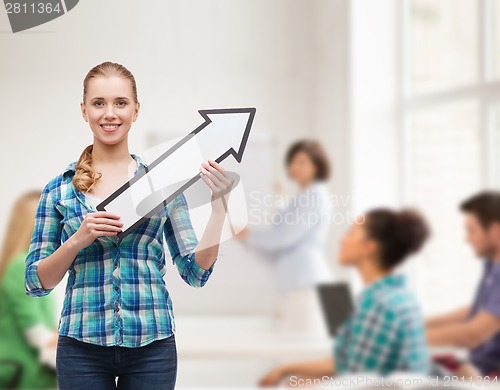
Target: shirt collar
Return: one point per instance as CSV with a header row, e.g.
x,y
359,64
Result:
x,y
72,166
391,280
493,267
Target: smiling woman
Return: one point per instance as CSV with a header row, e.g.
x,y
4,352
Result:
x,y
107,107
116,295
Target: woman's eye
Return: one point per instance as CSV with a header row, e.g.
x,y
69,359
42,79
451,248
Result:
x,y
100,104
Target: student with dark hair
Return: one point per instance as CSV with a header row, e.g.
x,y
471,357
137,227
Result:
x,y
476,327
385,333
310,152
295,237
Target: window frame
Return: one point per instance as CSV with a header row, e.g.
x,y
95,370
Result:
x,y
485,91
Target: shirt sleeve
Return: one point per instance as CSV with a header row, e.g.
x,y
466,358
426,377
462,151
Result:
x,y
182,241
492,302
26,311
374,336
289,226
46,238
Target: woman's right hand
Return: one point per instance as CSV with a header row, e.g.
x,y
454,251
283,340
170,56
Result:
x,y
242,234
94,225
272,378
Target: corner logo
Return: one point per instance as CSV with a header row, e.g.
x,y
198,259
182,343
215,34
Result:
x,y
31,13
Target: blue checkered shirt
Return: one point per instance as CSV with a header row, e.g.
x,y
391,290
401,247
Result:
x,y
115,292
385,333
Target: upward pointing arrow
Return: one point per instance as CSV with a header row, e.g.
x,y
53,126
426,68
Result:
x,y
224,133
229,127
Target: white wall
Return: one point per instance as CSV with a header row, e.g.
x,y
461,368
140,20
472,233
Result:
x,y
373,92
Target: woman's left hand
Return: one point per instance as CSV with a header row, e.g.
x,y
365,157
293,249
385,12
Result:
x,y
220,184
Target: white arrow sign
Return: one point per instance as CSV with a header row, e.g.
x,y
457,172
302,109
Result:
x,y
224,133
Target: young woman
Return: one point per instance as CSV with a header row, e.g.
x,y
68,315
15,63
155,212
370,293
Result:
x,y
296,239
386,332
117,317
27,326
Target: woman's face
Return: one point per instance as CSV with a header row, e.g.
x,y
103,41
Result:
x,y
109,108
356,246
301,169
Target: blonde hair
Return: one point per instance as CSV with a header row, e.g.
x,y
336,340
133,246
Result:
x,y
20,227
85,177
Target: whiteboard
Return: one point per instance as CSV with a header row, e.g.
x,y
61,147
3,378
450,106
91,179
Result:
x,y
242,282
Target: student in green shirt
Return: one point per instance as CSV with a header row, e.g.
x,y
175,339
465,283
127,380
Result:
x,y
27,326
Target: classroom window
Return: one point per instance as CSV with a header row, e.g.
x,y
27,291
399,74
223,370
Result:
x,y
444,50
450,117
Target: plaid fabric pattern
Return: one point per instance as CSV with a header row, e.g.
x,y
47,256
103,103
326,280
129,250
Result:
x,y
115,293
385,333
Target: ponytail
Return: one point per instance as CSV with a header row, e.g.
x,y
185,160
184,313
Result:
x,y
399,233
85,177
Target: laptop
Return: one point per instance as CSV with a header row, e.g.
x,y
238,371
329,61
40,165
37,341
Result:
x,y
336,303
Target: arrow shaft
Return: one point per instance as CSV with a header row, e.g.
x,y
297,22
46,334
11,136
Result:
x,y
170,174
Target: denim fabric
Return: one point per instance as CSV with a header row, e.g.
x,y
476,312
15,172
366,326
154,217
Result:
x,y
81,365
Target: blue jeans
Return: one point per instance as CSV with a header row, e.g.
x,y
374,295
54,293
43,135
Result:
x,y
81,365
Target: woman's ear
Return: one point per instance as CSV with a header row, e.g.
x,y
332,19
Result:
x,y
84,111
136,113
371,248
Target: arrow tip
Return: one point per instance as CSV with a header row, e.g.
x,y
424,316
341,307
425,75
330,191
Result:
x,y
250,111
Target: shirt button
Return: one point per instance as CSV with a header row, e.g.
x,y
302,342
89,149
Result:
x,y
116,287
116,266
117,309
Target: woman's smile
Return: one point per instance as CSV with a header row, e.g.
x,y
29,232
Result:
x,y
109,127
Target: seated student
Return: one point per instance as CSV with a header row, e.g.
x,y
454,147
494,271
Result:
x,y
386,332
476,327
28,329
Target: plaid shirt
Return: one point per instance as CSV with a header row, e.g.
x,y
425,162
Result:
x,y
115,293
385,333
